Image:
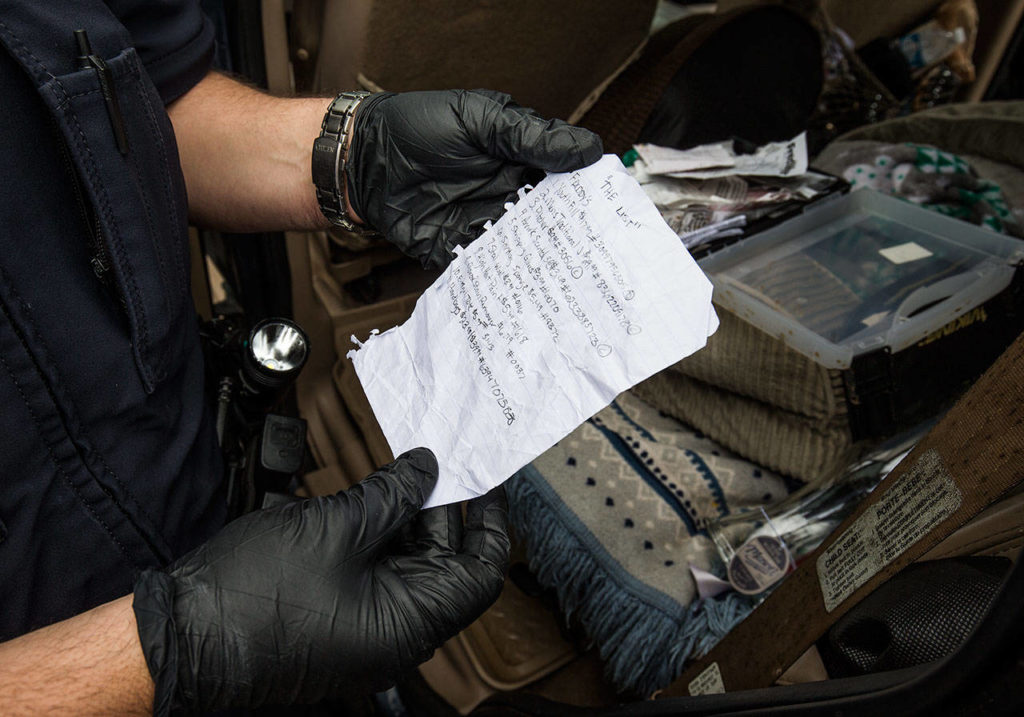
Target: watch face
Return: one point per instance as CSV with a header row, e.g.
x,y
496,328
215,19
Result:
x,y
325,164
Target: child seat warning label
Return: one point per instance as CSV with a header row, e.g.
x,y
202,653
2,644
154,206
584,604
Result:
x,y
924,497
708,682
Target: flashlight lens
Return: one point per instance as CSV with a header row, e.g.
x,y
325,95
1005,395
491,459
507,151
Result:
x,y
279,346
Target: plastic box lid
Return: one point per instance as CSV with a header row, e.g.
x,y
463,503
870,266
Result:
x,y
859,273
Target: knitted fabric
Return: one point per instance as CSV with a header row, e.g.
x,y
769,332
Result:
x,y
612,517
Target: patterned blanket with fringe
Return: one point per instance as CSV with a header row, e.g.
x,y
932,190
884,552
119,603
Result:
x,y
613,517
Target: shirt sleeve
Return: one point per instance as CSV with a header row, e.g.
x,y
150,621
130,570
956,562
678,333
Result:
x,y
174,39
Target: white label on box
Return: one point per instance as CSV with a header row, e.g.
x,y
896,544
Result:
x,y
921,499
870,321
708,682
903,253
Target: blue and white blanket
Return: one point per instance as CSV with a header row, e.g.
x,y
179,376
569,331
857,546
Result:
x,y
612,518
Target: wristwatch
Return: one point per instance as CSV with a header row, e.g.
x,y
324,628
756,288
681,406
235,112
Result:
x,y
330,152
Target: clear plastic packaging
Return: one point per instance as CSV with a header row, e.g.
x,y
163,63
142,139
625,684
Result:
x,y
930,43
749,543
859,273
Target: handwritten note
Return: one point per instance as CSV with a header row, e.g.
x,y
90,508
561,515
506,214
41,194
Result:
x,y
577,293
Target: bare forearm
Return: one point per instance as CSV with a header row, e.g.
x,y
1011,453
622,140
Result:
x,y
91,664
246,156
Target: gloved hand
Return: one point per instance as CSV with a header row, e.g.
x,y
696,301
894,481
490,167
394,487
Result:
x,y
310,600
429,169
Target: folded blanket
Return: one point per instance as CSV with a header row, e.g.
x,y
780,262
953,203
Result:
x,y
612,518
809,449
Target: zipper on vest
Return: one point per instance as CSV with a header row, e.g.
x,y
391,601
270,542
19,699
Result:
x,y
99,259
87,59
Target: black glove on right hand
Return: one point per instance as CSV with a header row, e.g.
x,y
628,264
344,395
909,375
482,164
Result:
x,y
315,599
429,169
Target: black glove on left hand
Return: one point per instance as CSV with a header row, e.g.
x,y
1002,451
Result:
x,y
321,598
429,169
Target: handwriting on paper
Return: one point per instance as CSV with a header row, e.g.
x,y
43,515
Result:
x,y
576,294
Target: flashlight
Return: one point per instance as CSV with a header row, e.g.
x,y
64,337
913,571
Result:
x,y
273,355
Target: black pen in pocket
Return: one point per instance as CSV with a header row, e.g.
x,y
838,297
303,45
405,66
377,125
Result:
x,y
87,59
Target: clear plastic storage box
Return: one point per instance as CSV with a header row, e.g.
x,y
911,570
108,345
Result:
x,y
859,273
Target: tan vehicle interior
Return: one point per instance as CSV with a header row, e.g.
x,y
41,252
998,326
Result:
x,y
601,64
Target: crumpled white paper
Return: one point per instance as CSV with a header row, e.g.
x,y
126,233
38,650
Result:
x,y
577,293
708,161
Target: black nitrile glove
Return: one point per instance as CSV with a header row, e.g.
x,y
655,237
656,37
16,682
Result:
x,y
315,599
429,169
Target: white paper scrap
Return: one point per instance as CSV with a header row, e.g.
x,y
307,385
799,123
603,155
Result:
x,y
663,160
577,293
903,253
775,159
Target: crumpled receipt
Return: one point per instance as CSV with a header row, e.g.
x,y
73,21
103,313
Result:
x,y
577,293
718,159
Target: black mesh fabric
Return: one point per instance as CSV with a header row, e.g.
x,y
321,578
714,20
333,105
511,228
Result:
x,y
920,615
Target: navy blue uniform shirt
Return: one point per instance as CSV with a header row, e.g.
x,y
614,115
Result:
x,y
108,462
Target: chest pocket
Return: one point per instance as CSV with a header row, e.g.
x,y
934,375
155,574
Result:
x,y
136,197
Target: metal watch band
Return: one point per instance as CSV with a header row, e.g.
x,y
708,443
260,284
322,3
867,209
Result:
x,y
329,157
